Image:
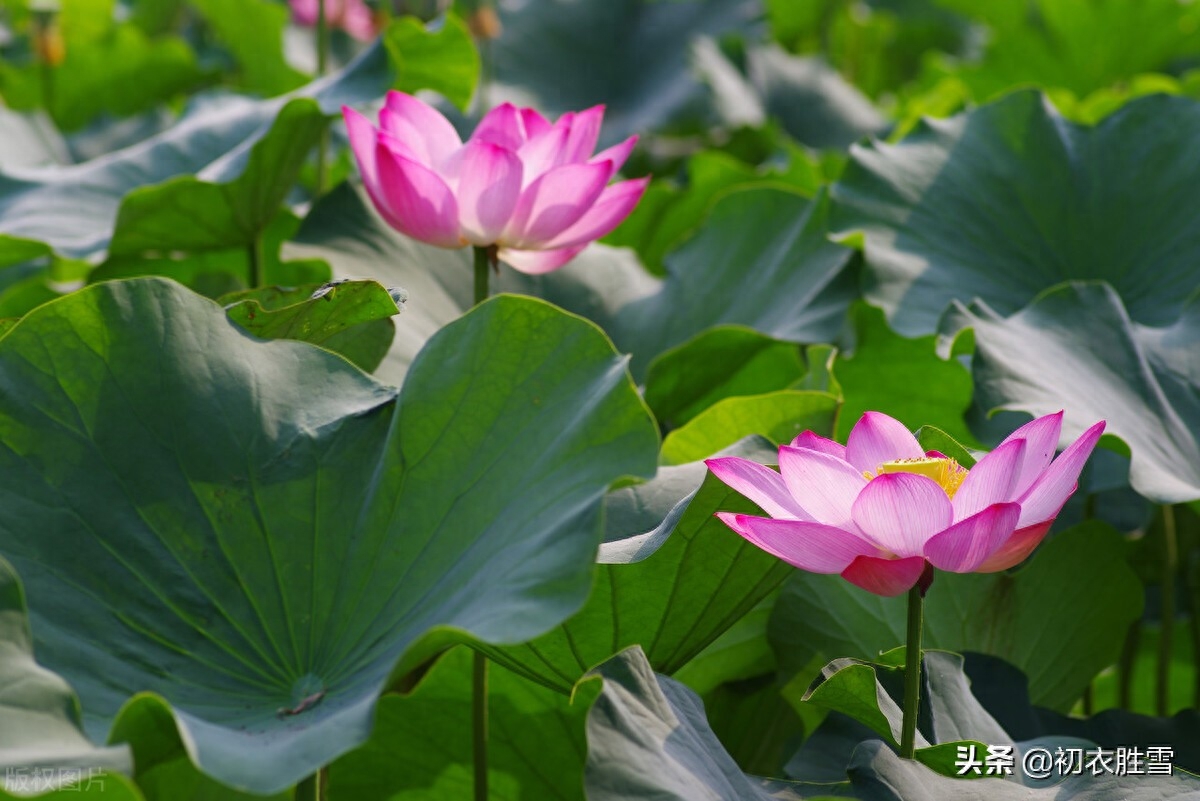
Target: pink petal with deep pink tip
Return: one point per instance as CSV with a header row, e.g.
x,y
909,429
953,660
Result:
x,y
1041,441
823,485
1050,490
533,123
537,262
760,484
488,188
415,200
584,133
618,154
885,577
815,442
543,153
1014,551
967,544
610,209
553,203
992,479
421,128
809,546
363,136
502,126
901,511
877,438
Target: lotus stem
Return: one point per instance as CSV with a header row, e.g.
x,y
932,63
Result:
x,y
912,671
479,718
310,789
322,63
1125,665
257,258
482,259
1170,566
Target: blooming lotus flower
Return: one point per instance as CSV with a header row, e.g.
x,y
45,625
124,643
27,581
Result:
x,y
527,187
879,508
352,16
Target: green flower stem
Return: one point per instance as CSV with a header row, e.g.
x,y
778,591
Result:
x,y
257,257
479,719
483,258
1170,566
310,789
322,63
1125,665
912,672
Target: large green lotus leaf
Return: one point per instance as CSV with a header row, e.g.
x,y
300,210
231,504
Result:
x,y
1009,199
192,214
1076,347
879,774
762,260
353,318
420,748
1054,618
42,744
74,208
632,56
108,67
262,532
672,578
904,378
252,30
778,416
648,738
1076,44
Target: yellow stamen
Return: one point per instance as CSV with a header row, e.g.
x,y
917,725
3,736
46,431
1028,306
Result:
x,y
944,472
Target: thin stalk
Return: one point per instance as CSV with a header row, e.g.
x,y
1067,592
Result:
x,y
310,789
1125,665
479,718
912,672
1170,566
322,64
482,259
256,262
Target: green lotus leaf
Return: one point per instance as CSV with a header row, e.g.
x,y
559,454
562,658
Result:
x,y
1076,348
1010,199
252,31
263,533
648,738
353,318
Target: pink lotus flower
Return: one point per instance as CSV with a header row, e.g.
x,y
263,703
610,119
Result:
x,y
352,16
530,188
879,508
